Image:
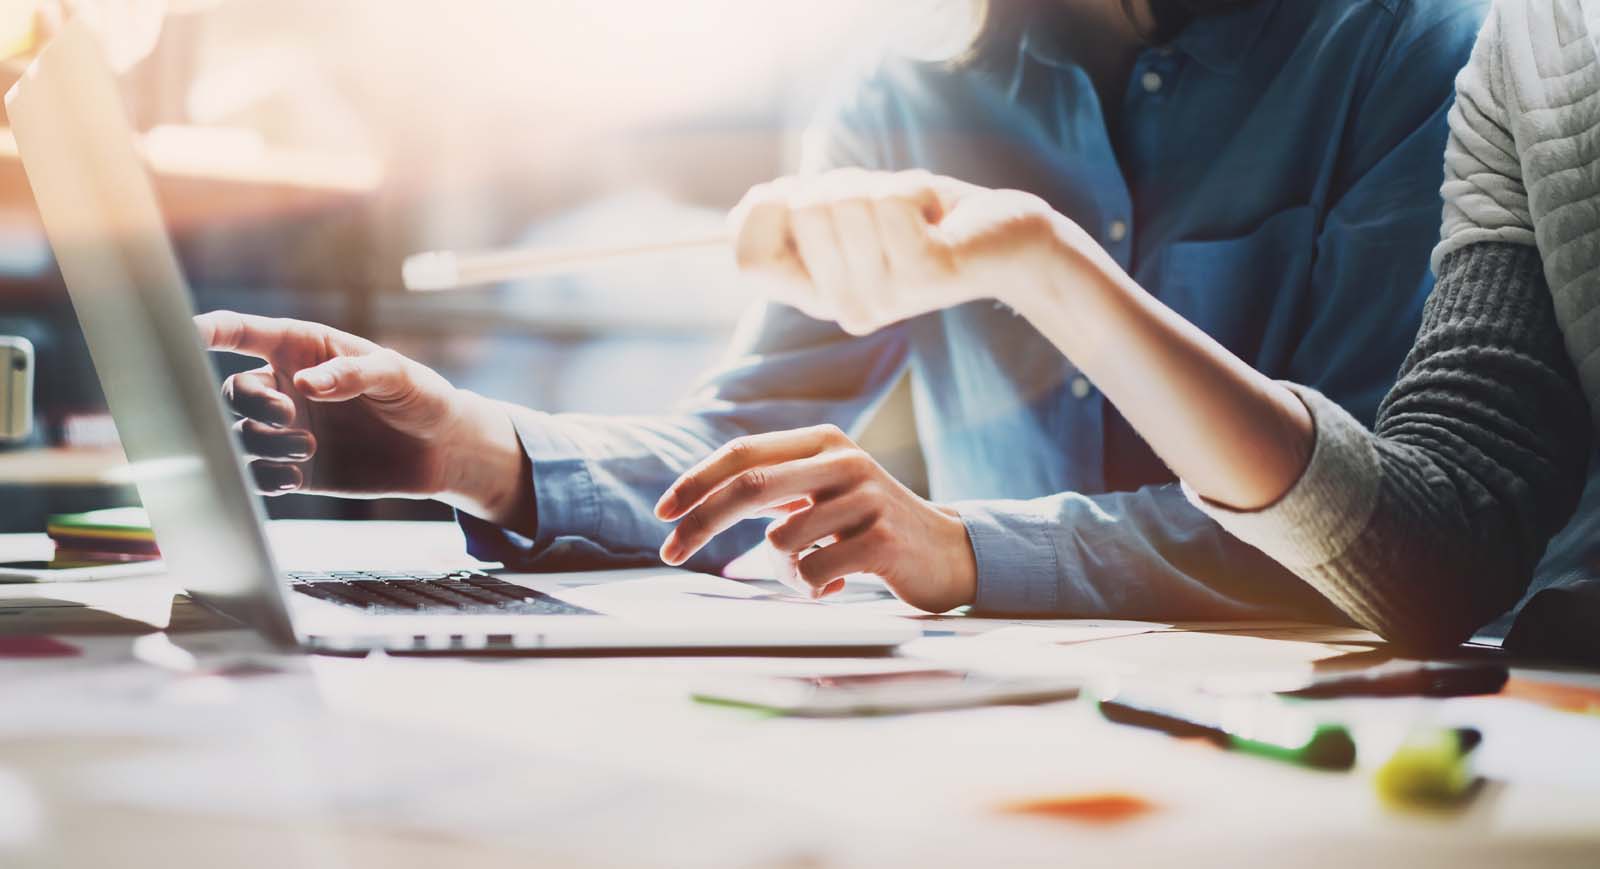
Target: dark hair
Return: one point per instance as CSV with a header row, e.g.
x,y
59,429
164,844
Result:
x,y
1001,23
999,28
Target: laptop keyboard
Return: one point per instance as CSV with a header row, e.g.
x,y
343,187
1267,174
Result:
x,y
412,591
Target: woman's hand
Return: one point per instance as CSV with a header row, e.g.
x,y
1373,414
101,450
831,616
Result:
x,y
831,495
127,29
867,249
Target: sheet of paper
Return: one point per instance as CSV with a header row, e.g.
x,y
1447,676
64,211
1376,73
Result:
x,y
1067,632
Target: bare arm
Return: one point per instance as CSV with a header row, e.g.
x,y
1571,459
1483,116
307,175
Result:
x,y
1237,437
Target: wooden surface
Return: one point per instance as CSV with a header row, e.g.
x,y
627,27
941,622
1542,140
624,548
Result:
x,y
130,754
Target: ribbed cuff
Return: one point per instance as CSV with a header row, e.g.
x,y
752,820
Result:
x,y
1463,238
1327,508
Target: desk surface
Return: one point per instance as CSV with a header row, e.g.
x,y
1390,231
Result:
x,y
185,748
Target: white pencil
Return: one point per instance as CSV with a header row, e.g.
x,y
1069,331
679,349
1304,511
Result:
x,y
450,270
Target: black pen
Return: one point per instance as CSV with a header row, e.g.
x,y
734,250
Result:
x,y
1408,679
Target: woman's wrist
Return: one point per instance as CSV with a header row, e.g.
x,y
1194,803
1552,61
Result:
x,y
1067,300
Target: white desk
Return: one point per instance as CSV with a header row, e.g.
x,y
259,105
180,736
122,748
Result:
x,y
109,759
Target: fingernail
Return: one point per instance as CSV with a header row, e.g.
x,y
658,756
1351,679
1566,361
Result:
x,y
300,449
317,381
671,552
667,504
284,487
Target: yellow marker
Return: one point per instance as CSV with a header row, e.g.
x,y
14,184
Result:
x,y
1430,770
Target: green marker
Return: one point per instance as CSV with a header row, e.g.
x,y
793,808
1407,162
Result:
x,y
1259,725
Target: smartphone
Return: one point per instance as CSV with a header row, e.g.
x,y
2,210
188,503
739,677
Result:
x,y
74,571
884,693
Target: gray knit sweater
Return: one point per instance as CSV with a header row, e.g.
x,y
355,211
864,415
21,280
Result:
x,y
1431,525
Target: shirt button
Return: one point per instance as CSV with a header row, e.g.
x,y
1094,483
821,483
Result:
x,y
1080,387
1151,82
1117,231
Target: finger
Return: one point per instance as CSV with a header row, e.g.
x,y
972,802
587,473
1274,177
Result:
x,y
382,375
754,492
811,226
255,395
822,567
759,225
262,441
764,248
841,517
901,216
47,19
949,191
738,456
275,478
232,332
782,510
863,255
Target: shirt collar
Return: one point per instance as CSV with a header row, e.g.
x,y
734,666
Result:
x,y
1219,42
1223,41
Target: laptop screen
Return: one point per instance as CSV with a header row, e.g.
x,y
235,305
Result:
x,y
101,216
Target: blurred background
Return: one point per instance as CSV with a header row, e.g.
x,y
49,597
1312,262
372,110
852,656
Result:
x,y
303,148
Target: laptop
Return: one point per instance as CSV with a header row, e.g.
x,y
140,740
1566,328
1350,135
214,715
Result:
x,y
100,213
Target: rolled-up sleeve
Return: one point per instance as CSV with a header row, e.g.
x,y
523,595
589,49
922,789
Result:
x,y
1327,508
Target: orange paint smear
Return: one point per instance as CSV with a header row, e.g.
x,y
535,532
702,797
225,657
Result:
x,y
1102,808
1554,695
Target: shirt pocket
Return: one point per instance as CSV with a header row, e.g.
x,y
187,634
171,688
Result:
x,y
1243,291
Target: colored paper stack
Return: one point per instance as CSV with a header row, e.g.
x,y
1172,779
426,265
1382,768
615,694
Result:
x,y
120,534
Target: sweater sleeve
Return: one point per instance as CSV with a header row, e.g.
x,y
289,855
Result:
x,y
1431,525
1485,197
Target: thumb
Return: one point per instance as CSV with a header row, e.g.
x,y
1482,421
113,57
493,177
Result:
x,y
380,375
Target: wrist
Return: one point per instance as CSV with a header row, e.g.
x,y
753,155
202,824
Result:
x,y
486,468
1072,299
961,561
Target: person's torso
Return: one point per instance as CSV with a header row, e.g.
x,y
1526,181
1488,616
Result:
x,y
1227,158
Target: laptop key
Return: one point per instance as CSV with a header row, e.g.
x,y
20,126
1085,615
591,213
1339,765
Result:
x,y
469,591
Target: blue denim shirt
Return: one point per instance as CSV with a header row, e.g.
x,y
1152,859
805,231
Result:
x,y
1273,177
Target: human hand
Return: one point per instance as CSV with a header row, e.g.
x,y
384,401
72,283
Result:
x,y
867,249
333,413
128,29
833,495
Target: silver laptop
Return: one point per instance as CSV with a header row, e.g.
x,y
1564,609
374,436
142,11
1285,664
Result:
x,y
100,213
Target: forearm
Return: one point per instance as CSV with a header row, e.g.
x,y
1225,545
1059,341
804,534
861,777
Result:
x,y
1233,434
1431,526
